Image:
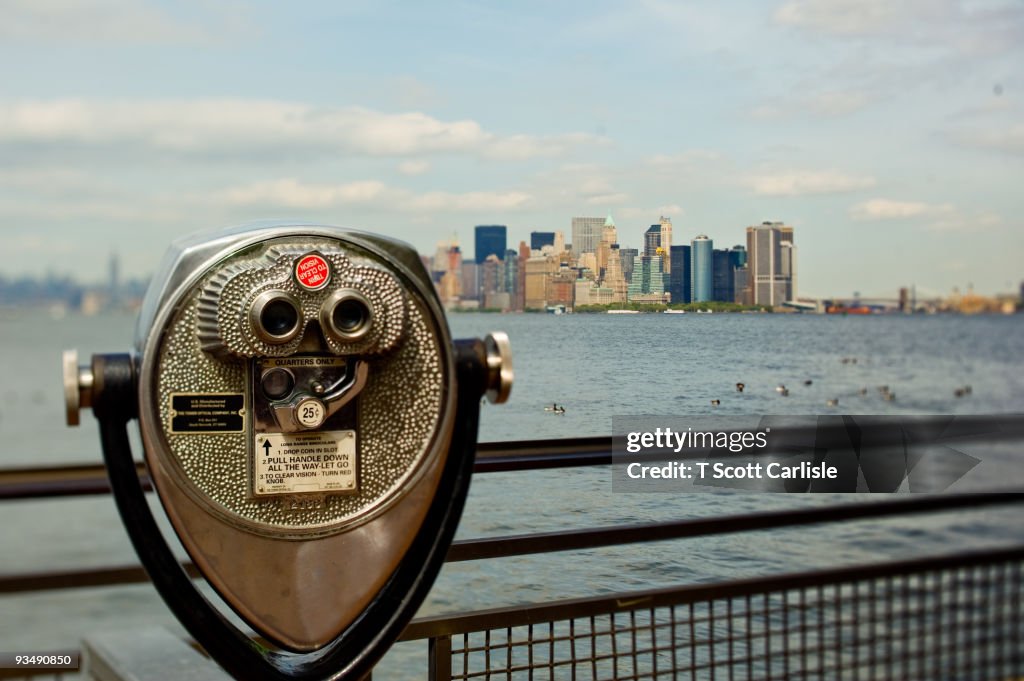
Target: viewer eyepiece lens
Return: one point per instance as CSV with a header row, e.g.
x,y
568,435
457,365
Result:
x,y
347,314
279,317
350,315
275,316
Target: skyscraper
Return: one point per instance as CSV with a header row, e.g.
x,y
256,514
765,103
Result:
x,y
726,262
629,256
721,276
679,277
470,280
652,240
772,262
490,240
586,234
613,277
539,240
511,272
648,282
701,268
665,225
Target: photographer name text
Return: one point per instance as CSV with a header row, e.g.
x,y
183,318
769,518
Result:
x,y
705,470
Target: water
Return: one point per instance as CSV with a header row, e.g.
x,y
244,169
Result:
x,y
596,366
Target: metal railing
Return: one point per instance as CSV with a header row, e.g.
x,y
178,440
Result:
x,y
953,617
946,617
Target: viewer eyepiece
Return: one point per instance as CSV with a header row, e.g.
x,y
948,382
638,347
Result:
x,y
275,316
346,314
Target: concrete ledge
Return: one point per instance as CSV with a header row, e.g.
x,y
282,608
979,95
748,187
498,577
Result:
x,y
151,654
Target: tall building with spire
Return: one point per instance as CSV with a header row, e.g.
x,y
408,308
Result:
x,y
609,236
613,277
658,241
665,242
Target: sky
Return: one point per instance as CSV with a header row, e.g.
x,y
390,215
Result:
x,y
890,135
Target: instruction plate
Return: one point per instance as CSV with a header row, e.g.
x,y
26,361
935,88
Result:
x,y
298,463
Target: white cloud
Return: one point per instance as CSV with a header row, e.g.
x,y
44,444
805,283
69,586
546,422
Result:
x,y
294,194
110,22
672,210
829,104
242,126
291,193
958,222
958,27
837,102
489,202
844,17
417,167
1008,139
803,183
888,209
935,217
608,199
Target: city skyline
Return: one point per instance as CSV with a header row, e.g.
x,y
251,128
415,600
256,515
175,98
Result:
x,y
888,134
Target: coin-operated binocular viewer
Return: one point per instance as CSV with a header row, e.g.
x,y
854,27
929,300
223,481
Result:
x,y
310,428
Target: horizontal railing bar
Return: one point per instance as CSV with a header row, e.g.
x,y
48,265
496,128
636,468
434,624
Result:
x,y
568,609
493,457
589,538
80,579
585,538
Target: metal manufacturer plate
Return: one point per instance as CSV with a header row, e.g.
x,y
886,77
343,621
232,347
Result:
x,y
207,413
297,463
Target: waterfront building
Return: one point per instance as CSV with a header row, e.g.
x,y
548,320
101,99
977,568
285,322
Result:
x,y
772,261
658,241
524,255
114,272
588,261
446,272
587,292
648,282
511,274
561,287
725,263
490,240
586,233
609,237
679,277
652,240
738,256
538,270
741,278
492,281
701,268
613,277
629,256
559,242
539,240
470,280
666,242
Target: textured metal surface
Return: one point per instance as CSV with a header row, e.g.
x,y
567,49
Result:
x,y
222,313
399,411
